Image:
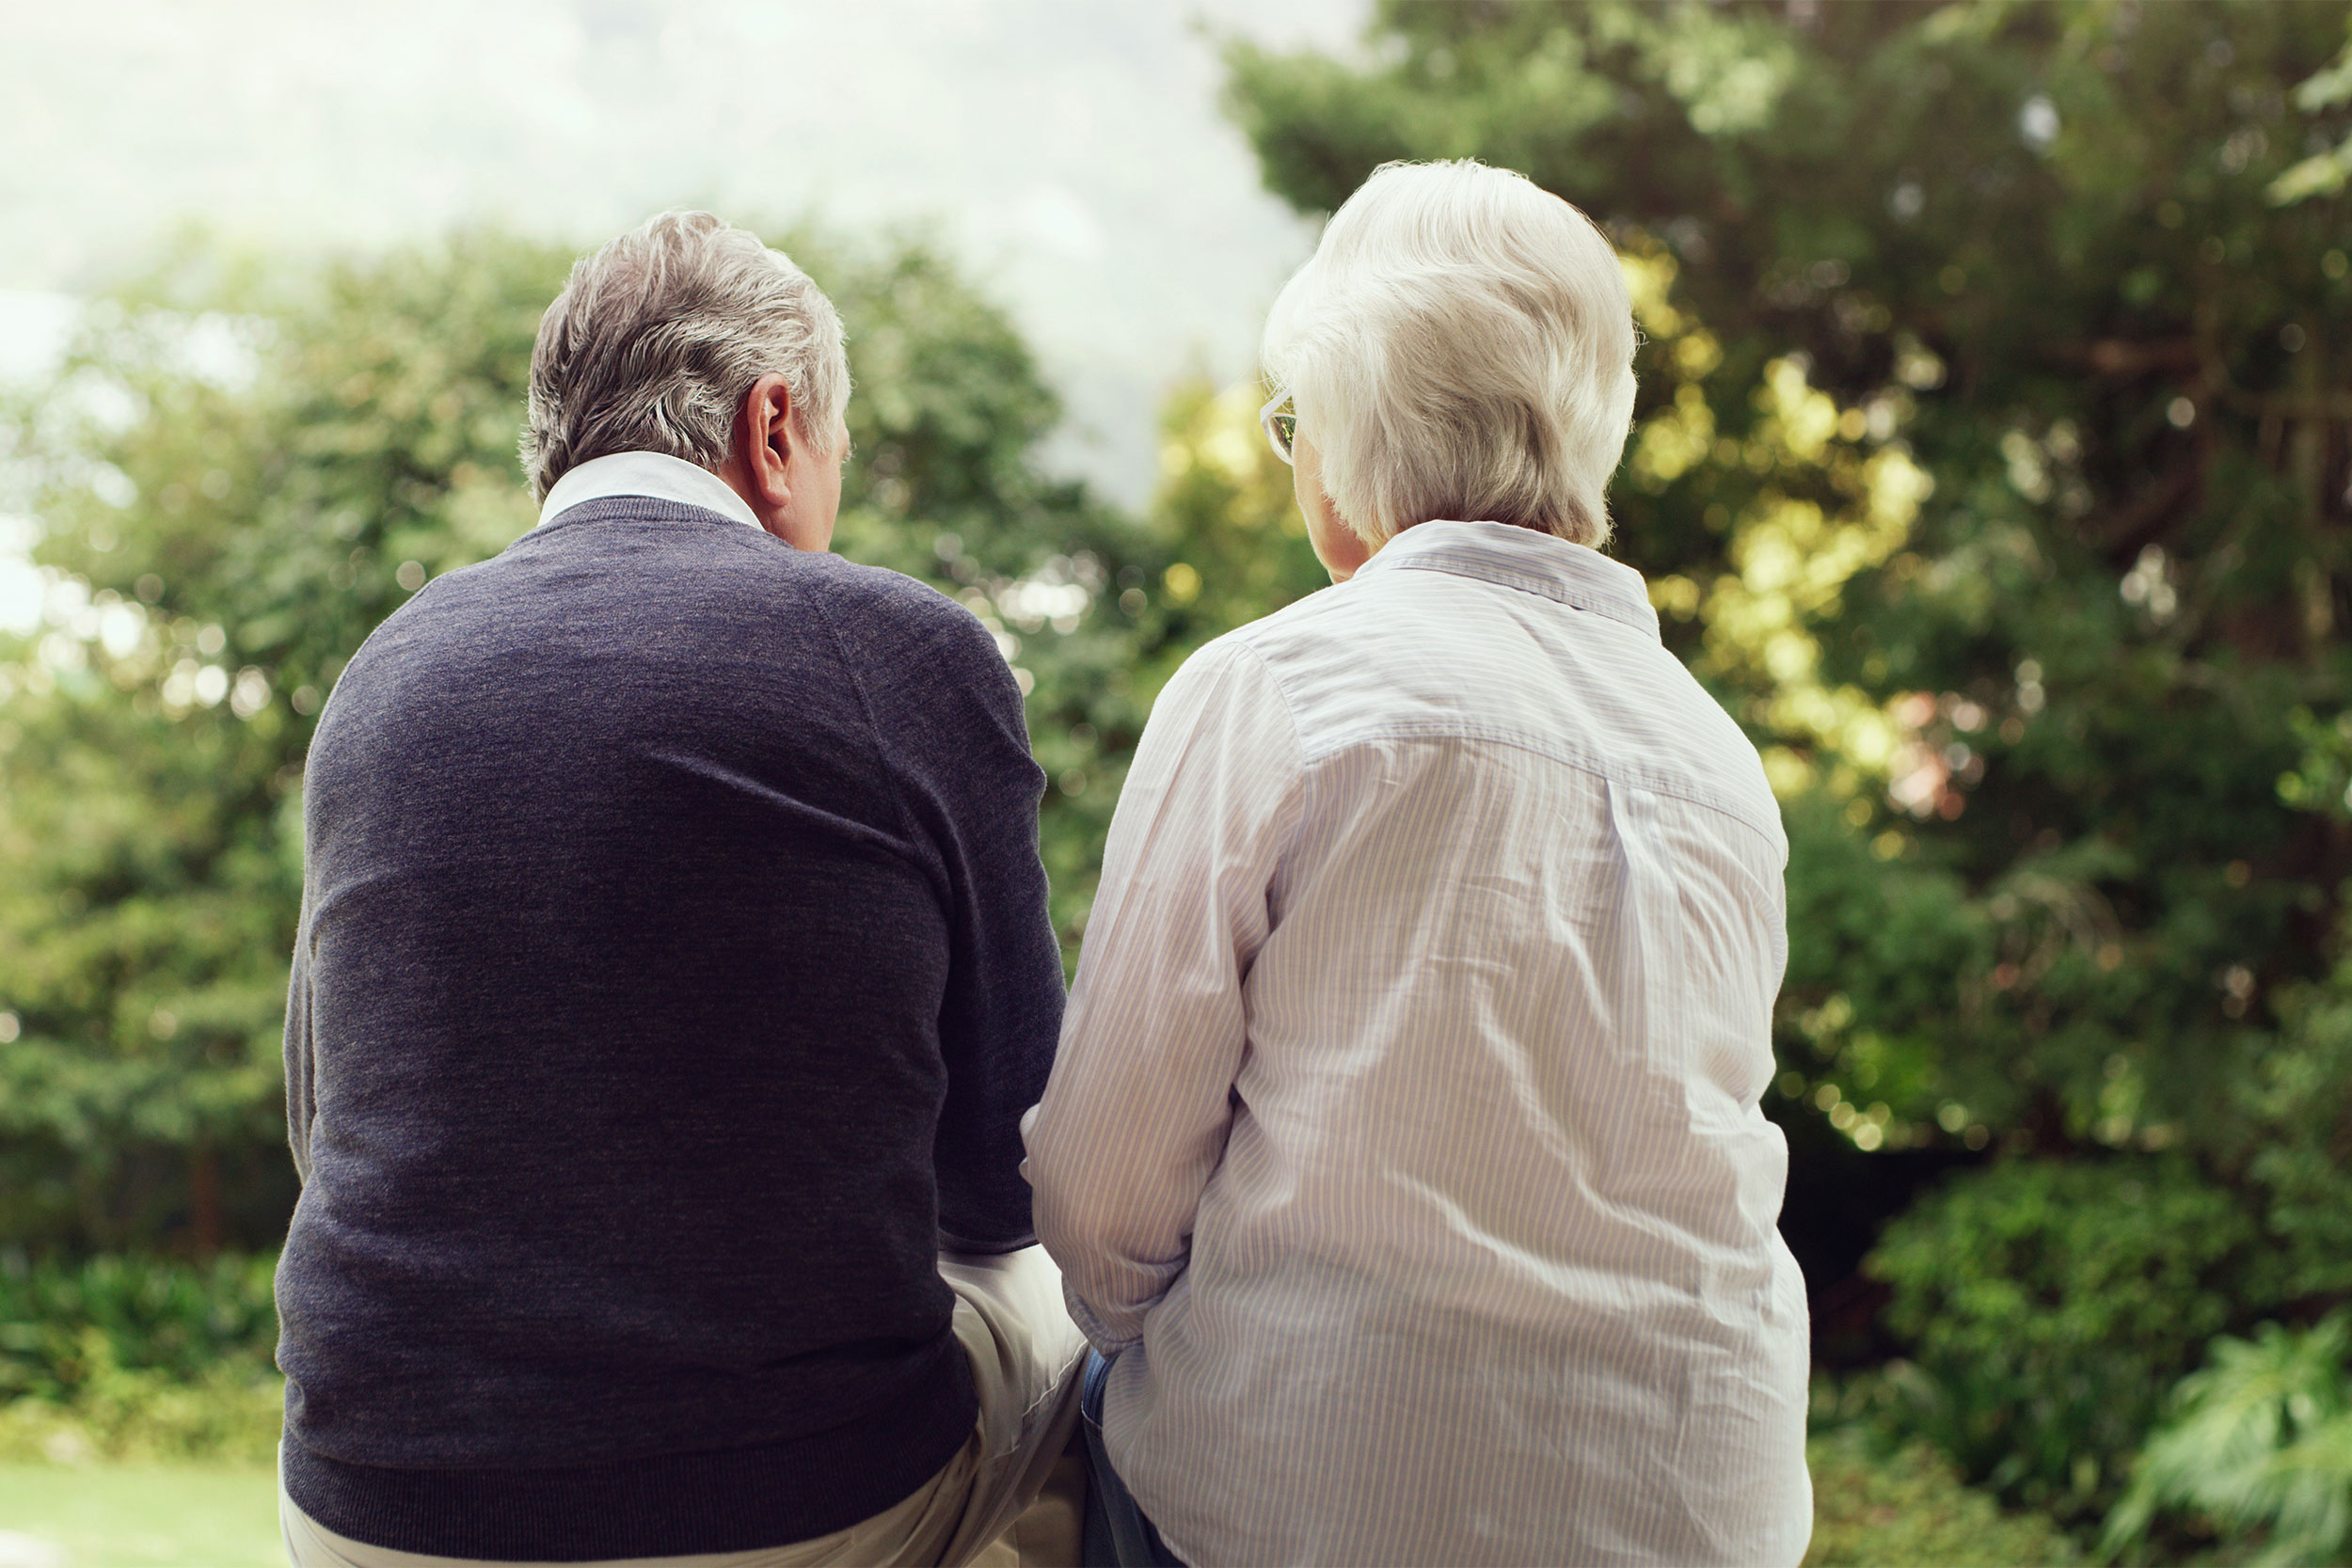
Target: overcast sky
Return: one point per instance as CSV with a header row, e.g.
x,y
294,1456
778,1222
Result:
x,y
1070,151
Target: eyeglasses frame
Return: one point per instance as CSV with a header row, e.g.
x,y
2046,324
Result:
x,y
1267,417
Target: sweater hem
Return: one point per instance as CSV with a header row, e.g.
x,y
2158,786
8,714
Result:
x,y
672,1505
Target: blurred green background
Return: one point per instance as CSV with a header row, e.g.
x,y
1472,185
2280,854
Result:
x,y
1993,466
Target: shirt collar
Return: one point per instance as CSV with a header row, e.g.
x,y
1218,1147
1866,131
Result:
x,y
645,473
1523,559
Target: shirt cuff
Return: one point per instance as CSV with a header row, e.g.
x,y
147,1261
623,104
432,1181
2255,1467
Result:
x,y
1101,1339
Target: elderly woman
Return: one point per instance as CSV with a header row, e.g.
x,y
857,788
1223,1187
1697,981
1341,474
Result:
x,y
1402,1154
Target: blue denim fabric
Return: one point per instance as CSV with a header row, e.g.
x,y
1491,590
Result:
x,y
1117,1534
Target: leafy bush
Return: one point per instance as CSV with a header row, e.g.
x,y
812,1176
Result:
x,y
2260,1446
2050,1304
66,1327
230,1412
138,1358
1878,1509
2298,1107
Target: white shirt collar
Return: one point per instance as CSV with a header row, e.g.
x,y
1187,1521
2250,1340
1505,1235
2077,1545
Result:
x,y
645,473
1524,559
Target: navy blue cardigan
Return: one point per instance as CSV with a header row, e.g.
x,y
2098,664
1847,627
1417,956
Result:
x,y
673,969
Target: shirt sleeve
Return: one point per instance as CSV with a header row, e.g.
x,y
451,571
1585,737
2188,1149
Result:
x,y
950,726
1134,1121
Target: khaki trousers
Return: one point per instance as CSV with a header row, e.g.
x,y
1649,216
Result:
x,y
1025,1355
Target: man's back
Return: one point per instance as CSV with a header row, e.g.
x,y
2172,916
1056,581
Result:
x,y
672,914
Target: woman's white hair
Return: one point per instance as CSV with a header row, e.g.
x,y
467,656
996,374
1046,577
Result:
x,y
656,337
1460,345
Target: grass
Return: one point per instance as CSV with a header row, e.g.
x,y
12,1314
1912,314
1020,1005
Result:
x,y
184,1515
1905,1509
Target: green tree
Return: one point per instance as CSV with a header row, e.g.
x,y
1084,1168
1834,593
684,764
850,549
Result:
x,y
238,473
1991,465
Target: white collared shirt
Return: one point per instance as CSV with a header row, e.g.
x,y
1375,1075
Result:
x,y
1404,1139
645,473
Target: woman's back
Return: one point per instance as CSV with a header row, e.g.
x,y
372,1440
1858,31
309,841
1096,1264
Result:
x,y
1488,1248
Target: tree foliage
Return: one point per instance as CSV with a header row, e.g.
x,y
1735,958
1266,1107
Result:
x,y
241,470
1879,1509
1990,459
2260,1446
2052,1305
1993,463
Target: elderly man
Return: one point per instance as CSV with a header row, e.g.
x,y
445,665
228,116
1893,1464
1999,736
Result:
x,y
674,967
1404,1152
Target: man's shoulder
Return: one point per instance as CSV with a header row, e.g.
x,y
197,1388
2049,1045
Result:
x,y
898,635
887,615
852,584
688,583
761,565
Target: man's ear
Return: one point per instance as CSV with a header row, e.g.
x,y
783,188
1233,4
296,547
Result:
x,y
764,435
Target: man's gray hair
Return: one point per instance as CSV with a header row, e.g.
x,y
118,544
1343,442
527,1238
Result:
x,y
656,337
1461,346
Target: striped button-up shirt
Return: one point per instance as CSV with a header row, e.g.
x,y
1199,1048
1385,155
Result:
x,y
1404,1145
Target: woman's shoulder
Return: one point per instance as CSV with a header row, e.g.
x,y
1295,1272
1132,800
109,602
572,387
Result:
x,y
1323,619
